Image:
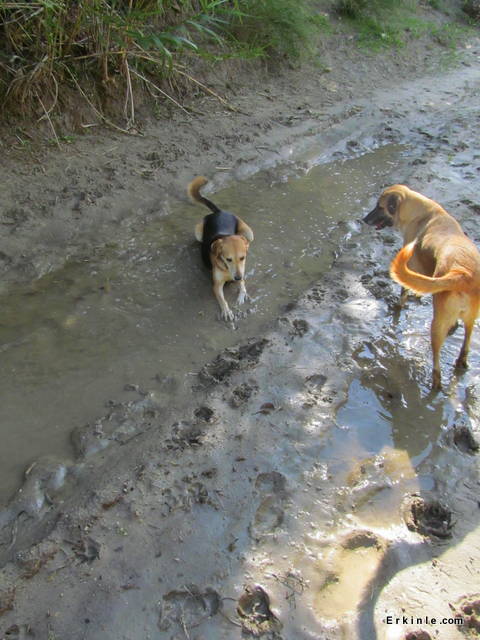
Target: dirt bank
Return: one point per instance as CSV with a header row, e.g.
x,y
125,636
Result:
x,y
62,203
286,498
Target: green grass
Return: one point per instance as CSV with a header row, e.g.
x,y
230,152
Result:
x,y
451,34
103,48
361,8
49,42
53,52
375,34
472,10
383,24
270,28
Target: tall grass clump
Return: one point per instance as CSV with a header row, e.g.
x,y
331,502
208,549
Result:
x,y
472,9
360,8
386,23
97,44
98,47
375,21
270,28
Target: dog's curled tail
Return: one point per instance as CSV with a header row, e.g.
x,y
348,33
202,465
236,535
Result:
x,y
193,190
456,279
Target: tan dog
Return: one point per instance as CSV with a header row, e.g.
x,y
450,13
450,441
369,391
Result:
x,y
225,240
437,258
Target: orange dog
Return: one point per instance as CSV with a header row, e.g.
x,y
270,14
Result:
x,y
437,258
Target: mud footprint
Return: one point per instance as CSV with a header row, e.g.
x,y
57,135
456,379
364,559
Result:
x,y
256,616
428,517
188,608
242,393
19,632
353,563
7,600
418,635
469,611
270,513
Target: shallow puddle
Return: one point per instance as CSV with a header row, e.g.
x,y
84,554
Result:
x,y
141,314
390,431
343,587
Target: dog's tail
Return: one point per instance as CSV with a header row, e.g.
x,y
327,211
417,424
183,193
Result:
x,y
193,190
457,279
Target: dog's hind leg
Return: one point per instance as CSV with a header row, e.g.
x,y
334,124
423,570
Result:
x,y
403,297
399,304
199,231
445,314
461,362
469,321
244,230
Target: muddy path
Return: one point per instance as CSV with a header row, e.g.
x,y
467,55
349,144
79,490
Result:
x,y
294,477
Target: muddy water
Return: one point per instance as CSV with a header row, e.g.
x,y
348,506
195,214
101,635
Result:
x,y
140,314
391,431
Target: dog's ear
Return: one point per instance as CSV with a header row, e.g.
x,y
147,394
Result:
x,y
246,242
392,203
216,247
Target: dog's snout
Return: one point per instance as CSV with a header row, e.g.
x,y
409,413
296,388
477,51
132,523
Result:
x,y
378,218
237,277
373,216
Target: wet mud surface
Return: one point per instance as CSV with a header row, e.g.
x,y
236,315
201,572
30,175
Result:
x,y
120,322
305,483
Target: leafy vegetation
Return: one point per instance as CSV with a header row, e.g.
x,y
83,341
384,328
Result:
x,y
50,42
381,24
472,9
359,8
51,50
277,27
108,44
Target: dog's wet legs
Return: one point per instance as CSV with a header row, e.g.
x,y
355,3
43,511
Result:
x,y
461,362
242,292
227,314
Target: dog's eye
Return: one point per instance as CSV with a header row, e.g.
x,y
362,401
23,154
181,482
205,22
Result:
x,y
242,258
229,259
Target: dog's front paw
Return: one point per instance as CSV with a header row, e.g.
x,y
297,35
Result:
x,y
242,297
227,315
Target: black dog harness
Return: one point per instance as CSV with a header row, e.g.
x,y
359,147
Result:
x,y
216,225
